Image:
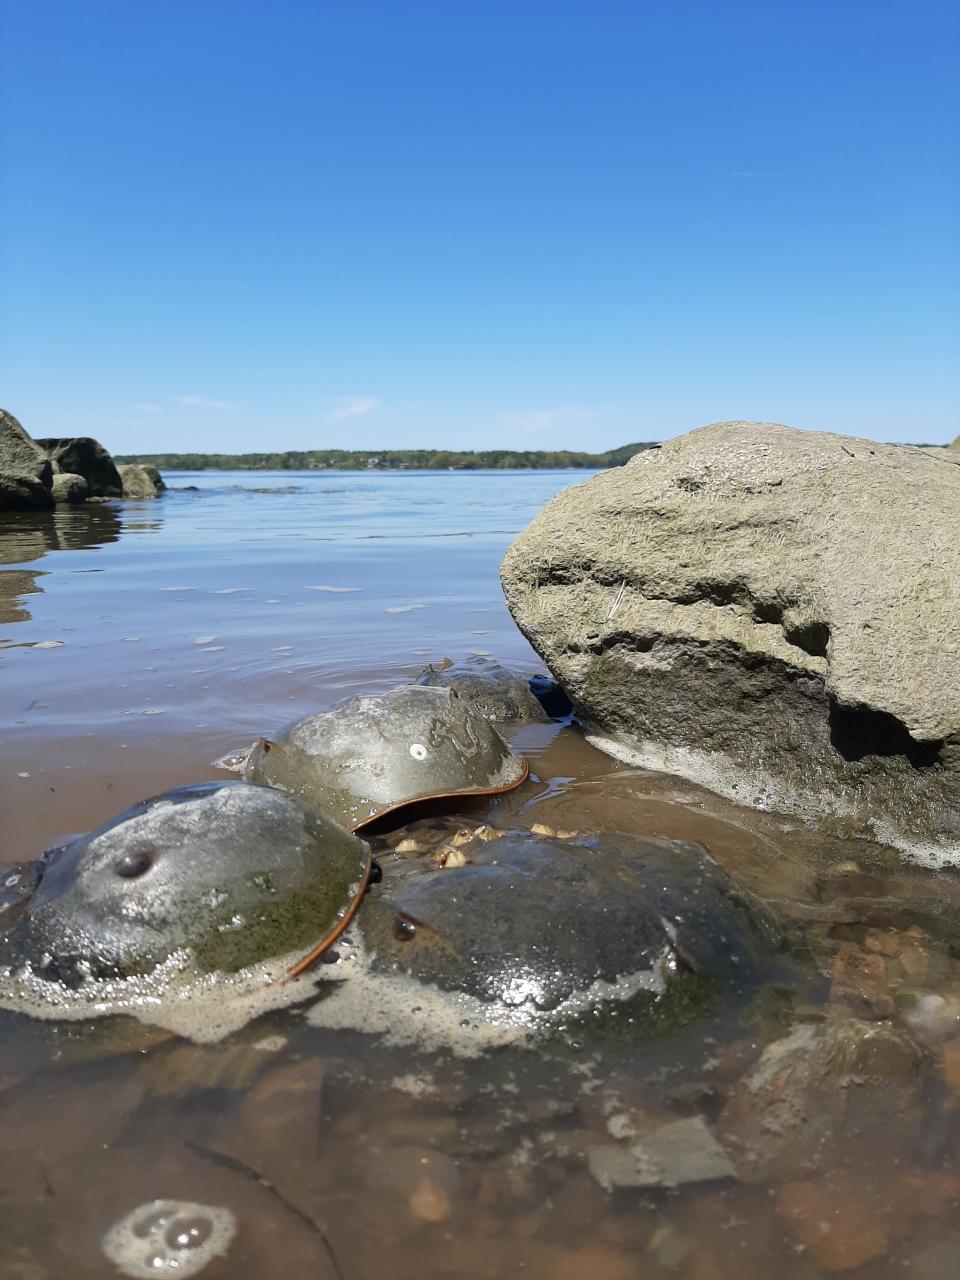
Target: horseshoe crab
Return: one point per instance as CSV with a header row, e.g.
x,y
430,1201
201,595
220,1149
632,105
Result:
x,y
228,872
489,689
373,754
537,931
531,933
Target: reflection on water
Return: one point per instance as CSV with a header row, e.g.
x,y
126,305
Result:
x,y
28,536
14,585
190,626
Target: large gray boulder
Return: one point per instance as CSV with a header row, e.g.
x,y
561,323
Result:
x,y
140,481
84,456
774,613
25,469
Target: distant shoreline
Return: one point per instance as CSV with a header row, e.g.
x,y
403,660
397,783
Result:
x,y
391,460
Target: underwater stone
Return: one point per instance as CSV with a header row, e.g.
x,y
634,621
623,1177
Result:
x,y
673,1155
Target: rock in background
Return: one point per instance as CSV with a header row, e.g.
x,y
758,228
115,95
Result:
x,y
36,474
25,470
140,481
83,456
774,613
67,487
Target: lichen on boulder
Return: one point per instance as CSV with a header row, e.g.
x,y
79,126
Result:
x,y
772,612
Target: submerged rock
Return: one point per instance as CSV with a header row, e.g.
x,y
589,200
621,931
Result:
x,y
489,689
372,754
770,612
817,1087
672,1155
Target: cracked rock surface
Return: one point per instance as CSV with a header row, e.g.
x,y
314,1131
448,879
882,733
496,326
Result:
x,y
774,613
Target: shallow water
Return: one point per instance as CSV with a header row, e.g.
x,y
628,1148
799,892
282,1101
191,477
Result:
x,y
139,642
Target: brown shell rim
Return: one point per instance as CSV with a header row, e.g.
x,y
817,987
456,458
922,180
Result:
x,y
330,938
445,795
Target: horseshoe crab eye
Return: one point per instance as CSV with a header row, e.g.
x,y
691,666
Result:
x,y
132,865
404,930
418,751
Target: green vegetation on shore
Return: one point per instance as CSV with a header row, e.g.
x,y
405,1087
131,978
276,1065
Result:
x,y
386,459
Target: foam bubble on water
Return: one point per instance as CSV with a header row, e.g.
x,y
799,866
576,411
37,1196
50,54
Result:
x,y
417,1086
47,644
204,639
169,1238
336,590
934,1018
924,853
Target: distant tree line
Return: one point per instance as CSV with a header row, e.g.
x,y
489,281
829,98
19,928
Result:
x,y
387,459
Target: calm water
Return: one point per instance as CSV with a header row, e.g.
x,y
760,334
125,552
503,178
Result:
x,y
191,624
139,642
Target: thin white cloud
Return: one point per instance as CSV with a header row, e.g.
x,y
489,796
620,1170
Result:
x,y
542,419
204,402
355,406
143,407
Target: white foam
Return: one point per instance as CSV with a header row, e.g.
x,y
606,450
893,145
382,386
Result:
x,y
200,1007
759,789
406,1011
169,1238
718,773
925,853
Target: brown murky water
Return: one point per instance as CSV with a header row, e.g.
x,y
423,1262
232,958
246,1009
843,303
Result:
x,y
187,626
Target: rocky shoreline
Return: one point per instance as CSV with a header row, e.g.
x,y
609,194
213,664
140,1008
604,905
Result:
x,y
37,475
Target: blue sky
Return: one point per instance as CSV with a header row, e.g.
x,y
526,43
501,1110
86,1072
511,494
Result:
x,y
243,224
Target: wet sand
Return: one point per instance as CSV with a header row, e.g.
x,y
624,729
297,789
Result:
x,y
180,630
